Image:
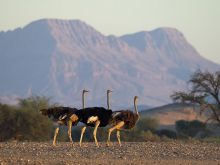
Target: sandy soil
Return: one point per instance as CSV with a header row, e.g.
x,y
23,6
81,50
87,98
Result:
x,y
129,153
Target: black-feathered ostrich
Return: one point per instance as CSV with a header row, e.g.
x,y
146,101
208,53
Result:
x,y
123,120
93,117
60,116
63,116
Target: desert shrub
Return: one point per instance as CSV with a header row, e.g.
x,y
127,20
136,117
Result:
x,y
166,132
23,123
131,135
7,122
212,139
165,139
34,103
189,128
149,136
146,124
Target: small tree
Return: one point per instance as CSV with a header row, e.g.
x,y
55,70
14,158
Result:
x,y
204,88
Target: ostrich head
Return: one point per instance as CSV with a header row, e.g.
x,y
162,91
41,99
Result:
x,y
85,91
135,98
109,91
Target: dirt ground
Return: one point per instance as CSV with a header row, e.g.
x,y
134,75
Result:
x,y
130,153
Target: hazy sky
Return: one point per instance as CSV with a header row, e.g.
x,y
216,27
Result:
x,y
198,20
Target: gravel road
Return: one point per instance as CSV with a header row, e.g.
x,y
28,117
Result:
x,y
129,153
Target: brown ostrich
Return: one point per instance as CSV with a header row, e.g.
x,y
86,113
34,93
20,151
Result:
x,y
123,120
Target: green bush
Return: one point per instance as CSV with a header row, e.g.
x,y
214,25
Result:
x,y
24,123
7,122
149,136
166,132
190,128
146,124
212,139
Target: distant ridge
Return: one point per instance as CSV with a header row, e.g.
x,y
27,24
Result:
x,y
59,58
168,114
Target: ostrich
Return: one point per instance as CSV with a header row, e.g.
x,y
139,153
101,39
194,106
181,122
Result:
x,y
60,116
123,120
63,116
93,117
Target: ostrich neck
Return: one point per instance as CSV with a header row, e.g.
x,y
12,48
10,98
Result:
x,y
108,101
135,108
83,100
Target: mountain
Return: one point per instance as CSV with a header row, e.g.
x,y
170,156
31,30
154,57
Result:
x,y
59,58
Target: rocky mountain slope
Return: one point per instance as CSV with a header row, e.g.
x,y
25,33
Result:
x,y
58,58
